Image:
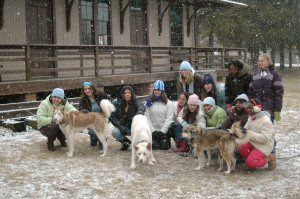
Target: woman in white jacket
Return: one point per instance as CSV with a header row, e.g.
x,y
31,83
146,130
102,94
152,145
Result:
x,y
160,116
192,114
261,132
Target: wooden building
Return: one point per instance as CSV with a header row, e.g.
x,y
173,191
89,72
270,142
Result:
x,y
61,43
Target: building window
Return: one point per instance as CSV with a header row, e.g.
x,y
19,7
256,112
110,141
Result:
x,y
1,13
87,26
176,24
104,22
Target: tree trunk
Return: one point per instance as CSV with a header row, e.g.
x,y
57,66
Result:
x,y
281,54
290,58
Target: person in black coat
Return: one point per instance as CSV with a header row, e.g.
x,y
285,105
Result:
x,y
126,108
236,83
90,102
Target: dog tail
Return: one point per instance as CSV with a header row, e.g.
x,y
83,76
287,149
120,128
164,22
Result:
x,y
107,107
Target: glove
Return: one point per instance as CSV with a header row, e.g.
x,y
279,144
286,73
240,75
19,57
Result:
x,y
277,116
229,108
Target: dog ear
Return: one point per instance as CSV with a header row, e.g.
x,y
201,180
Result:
x,y
136,147
149,147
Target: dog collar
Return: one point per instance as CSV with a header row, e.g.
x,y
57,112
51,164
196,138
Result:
x,y
141,141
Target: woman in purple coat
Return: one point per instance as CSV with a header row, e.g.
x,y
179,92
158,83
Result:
x,y
267,86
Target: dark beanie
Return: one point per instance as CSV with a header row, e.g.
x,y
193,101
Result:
x,y
208,79
236,63
127,87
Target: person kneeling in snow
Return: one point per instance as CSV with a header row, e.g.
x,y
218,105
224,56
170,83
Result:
x,y
45,113
257,151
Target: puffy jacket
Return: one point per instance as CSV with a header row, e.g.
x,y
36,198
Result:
x,y
197,84
268,88
160,116
200,120
262,132
235,86
45,111
86,104
215,117
120,117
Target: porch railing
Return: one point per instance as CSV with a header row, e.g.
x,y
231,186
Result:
x,y
32,62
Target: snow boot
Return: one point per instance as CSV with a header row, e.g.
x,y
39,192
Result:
x,y
125,144
93,139
62,140
272,161
50,145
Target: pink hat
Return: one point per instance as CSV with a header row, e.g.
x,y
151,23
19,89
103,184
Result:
x,y
193,100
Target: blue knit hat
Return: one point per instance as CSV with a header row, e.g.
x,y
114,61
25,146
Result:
x,y
58,92
210,101
87,83
159,85
185,65
208,79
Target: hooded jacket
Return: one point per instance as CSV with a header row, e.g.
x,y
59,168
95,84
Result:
x,y
262,132
267,86
235,86
215,117
45,111
120,118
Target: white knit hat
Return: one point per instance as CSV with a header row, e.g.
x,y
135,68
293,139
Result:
x,y
242,97
209,101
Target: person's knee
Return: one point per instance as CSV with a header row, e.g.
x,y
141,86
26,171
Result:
x,y
116,133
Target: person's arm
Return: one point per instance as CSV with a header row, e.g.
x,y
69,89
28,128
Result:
x,y
69,107
42,118
222,115
180,119
278,92
169,117
147,114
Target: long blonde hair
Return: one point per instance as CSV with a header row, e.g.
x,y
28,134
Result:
x,y
188,79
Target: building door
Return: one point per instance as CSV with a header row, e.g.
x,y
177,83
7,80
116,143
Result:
x,y
138,35
39,22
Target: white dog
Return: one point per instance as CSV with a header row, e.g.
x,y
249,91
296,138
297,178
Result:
x,y
141,144
73,122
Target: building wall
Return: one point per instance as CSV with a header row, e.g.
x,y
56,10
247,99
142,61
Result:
x,y
119,39
188,41
14,27
154,38
62,36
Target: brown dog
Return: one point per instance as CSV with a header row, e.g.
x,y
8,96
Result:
x,y
74,122
209,140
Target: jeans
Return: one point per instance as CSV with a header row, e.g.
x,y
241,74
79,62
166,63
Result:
x,y
116,133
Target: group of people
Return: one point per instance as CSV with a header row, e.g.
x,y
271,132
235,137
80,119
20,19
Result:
x,y
200,103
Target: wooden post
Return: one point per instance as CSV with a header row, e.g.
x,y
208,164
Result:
x,y
112,55
27,63
81,64
150,59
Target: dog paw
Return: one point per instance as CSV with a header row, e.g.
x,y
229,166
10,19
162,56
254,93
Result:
x,y
69,155
227,172
132,166
208,164
199,168
103,155
219,169
151,163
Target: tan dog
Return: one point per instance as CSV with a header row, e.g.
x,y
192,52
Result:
x,y
209,140
73,122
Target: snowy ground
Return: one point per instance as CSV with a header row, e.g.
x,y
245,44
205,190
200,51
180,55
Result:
x,y
28,170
